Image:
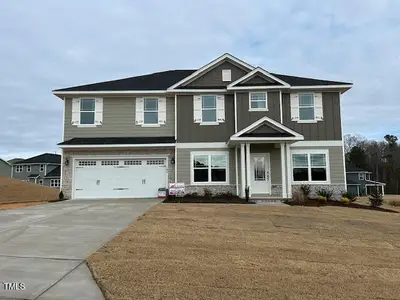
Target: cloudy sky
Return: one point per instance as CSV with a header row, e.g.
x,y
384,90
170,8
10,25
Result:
x,y
47,44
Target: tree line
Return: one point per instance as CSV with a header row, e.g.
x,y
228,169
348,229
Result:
x,y
382,158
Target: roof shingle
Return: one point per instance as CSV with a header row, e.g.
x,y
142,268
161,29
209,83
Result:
x,y
45,158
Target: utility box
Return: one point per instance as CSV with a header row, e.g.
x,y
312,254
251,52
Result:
x,y
162,192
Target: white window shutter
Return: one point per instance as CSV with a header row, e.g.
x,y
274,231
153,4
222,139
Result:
x,y
319,113
197,109
139,111
98,111
220,108
76,111
162,111
294,106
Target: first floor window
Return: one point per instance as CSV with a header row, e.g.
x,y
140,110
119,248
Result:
x,y
150,111
306,107
258,101
19,169
310,167
209,108
88,111
41,181
54,182
210,168
41,168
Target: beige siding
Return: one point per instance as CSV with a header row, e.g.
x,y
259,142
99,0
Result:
x,y
336,162
119,120
184,163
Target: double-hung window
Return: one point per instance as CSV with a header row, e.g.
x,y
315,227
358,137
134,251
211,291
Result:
x,y
306,107
310,166
87,111
258,101
209,108
209,168
150,111
54,182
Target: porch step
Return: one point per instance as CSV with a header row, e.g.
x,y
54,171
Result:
x,y
268,201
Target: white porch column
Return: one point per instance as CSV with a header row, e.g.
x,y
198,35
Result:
x,y
383,190
248,167
283,168
236,171
242,171
288,171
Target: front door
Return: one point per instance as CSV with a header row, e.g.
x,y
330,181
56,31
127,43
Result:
x,y
260,173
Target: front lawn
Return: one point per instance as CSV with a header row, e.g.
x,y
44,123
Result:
x,y
202,251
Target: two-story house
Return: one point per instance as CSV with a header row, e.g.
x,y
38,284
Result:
x,y
360,183
43,169
224,126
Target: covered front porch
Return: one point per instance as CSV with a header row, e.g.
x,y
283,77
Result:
x,y
263,162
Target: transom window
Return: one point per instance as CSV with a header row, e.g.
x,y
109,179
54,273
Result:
x,y
306,107
155,162
87,111
310,167
209,108
110,162
135,162
41,169
210,168
150,111
86,163
258,101
54,182
19,168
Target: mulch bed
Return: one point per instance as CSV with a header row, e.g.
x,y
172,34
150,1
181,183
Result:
x,y
191,199
314,202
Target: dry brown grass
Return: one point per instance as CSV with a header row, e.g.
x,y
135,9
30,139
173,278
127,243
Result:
x,y
192,251
388,200
19,205
14,190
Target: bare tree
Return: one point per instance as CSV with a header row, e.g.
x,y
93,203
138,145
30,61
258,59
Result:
x,y
352,140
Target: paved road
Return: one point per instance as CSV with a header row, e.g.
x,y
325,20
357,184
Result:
x,y
44,246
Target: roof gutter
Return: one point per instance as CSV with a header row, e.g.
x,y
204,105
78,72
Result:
x,y
117,146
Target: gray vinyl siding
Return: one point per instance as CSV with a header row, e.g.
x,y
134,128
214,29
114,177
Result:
x,y
275,160
328,129
354,189
184,163
35,169
119,120
188,131
5,169
336,162
246,117
213,78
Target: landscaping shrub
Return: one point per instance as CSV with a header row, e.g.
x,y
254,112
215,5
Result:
x,y
306,190
61,196
324,195
208,194
348,197
375,197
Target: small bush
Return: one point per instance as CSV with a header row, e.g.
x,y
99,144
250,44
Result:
x,y
375,197
350,196
322,199
61,196
345,200
208,194
224,195
306,190
298,197
326,193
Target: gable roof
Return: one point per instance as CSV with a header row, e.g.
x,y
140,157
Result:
x,y
261,71
45,158
14,160
353,168
5,161
305,81
54,173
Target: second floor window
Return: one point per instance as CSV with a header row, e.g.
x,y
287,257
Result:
x,y
28,169
361,176
306,107
258,101
88,111
41,168
19,169
150,111
209,108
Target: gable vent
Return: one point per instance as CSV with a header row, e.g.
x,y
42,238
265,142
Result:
x,y
226,75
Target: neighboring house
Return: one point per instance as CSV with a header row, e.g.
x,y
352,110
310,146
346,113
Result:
x,y
359,181
223,127
14,160
41,169
5,168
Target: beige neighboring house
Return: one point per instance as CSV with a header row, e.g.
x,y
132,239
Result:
x,y
5,168
224,126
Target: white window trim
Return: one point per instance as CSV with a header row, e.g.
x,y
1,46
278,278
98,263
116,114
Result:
x,y
311,120
209,153
226,75
144,105
40,168
19,169
53,181
259,109
361,176
80,112
311,151
28,168
41,181
216,111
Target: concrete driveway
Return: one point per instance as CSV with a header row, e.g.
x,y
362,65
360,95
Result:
x,y
43,248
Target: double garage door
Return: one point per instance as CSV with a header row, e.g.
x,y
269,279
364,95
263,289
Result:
x,y
119,178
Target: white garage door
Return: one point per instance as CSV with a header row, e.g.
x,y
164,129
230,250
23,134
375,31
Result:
x,y
116,178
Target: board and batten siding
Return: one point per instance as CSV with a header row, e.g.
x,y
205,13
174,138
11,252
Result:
x,y
328,129
190,132
213,78
184,163
119,120
336,162
246,117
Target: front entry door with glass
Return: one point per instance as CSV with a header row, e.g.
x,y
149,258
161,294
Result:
x,y
260,173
